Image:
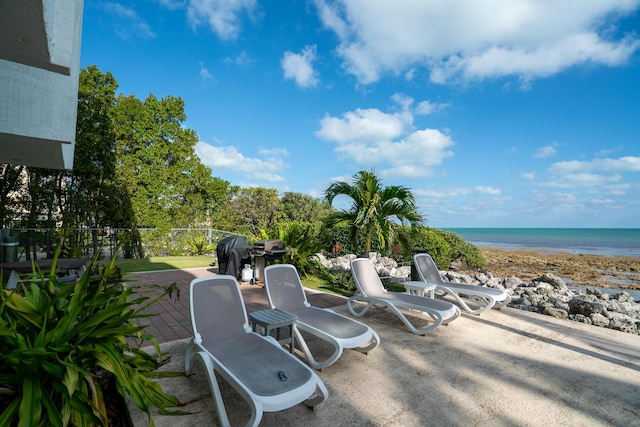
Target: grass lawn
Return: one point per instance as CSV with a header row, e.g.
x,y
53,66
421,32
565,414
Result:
x,y
162,263
181,262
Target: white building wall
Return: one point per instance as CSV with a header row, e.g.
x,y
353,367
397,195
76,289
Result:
x,y
38,101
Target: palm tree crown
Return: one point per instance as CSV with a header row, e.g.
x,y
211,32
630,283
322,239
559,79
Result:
x,y
374,207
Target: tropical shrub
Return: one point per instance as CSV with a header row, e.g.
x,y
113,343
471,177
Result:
x,y
432,241
302,239
464,251
341,281
445,247
59,339
200,246
340,235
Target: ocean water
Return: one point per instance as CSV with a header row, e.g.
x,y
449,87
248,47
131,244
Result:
x,y
599,241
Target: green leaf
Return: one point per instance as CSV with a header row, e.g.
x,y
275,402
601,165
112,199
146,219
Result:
x,y
23,307
10,411
71,379
53,413
30,407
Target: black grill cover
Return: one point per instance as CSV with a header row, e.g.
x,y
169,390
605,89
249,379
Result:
x,y
233,253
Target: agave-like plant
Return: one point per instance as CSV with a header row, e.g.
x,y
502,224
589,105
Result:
x,y
200,246
302,240
57,339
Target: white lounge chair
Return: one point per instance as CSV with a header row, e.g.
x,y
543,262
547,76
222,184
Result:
x,y
257,367
285,292
370,290
481,297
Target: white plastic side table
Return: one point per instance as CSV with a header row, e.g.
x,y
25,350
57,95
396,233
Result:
x,y
420,288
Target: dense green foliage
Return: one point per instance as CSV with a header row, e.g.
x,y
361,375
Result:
x,y
302,239
338,281
255,209
445,247
59,340
302,207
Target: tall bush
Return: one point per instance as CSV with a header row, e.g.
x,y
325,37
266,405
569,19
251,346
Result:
x,y
302,239
445,247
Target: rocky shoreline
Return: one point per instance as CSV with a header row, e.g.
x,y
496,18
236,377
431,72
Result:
x,y
575,269
562,285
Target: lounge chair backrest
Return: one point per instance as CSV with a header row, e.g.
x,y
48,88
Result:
x,y
427,268
284,287
217,308
366,277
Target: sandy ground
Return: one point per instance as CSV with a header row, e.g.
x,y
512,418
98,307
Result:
x,y
503,368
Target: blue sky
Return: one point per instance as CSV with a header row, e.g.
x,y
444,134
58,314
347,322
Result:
x,y
514,113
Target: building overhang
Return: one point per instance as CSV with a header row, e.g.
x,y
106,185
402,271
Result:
x,y
39,70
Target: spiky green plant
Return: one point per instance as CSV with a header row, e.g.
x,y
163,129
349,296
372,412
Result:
x,y
200,246
302,240
57,339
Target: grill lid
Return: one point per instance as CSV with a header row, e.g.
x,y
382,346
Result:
x,y
269,246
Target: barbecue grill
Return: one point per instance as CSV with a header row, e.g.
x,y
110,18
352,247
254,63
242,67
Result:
x,y
232,252
266,252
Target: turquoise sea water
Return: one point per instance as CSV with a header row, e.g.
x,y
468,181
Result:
x,y
601,241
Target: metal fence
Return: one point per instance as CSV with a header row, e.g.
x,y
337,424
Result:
x,y
25,244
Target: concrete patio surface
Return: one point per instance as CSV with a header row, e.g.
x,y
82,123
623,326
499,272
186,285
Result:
x,y
505,368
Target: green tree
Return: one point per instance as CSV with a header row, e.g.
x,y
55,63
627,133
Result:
x,y
157,164
255,210
374,208
94,196
302,207
10,186
94,160
220,209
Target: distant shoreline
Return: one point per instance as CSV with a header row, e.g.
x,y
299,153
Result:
x,y
587,241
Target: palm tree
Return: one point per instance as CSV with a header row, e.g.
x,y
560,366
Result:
x,y
374,208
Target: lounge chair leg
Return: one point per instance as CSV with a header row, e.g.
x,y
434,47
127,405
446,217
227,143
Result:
x,y
320,396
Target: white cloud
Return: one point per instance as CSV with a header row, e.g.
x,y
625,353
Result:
x,y
578,180
205,75
222,16
545,152
427,107
173,4
462,40
529,176
487,190
604,173
241,60
129,23
446,193
273,152
621,189
228,158
299,67
620,165
372,137
361,125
